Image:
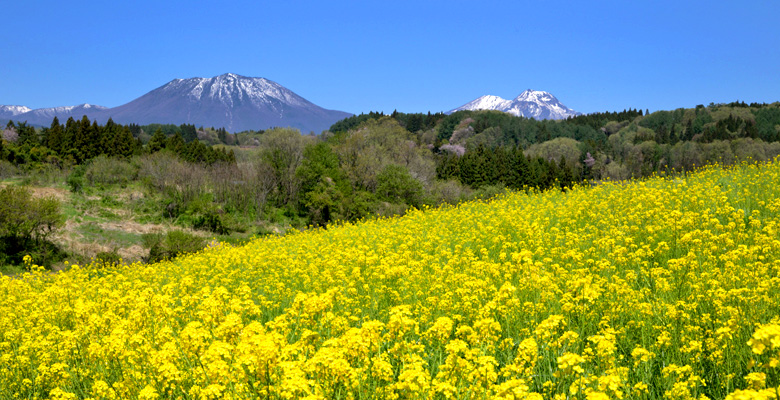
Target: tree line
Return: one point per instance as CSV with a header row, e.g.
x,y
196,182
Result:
x,y
78,141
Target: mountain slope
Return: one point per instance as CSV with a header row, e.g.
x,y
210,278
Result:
x,y
231,101
530,104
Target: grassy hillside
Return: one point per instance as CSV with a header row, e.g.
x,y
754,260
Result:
x,y
662,288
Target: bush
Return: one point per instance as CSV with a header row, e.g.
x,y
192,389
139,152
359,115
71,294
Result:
x,y
23,216
396,185
75,180
103,170
450,191
210,221
25,225
169,246
488,192
7,170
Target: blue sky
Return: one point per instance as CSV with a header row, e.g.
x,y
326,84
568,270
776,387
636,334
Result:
x,y
414,56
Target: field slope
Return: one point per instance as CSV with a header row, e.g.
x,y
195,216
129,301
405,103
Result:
x,y
663,288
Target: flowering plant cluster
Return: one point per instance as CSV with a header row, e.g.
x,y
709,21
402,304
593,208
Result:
x,y
660,288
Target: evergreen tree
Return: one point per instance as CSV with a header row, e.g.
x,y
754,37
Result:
x,y
157,142
222,135
565,174
448,166
197,152
69,138
518,170
55,136
175,143
108,134
27,135
135,130
123,143
80,144
93,146
188,132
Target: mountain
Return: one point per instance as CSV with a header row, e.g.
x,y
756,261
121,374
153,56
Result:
x,y
530,104
231,101
44,116
8,112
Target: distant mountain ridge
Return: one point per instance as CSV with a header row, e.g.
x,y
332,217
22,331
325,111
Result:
x,y
44,116
535,104
232,101
7,112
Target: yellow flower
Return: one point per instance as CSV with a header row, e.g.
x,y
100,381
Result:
x,y
148,393
570,363
764,338
756,380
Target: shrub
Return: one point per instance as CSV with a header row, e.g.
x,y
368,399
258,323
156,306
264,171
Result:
x,y
25,225
396,185
488,192
7,170
103,170
75,180
210,221
169,246
23,216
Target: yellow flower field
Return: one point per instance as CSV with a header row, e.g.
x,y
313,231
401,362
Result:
x,y
663,288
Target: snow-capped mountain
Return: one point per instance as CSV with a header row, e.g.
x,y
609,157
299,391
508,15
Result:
x,y
6,112
231,101
44,116
530,104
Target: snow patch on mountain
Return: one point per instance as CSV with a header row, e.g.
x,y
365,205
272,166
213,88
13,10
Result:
x,y
486,103
232,90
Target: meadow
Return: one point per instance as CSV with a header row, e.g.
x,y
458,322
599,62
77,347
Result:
x,y
666,287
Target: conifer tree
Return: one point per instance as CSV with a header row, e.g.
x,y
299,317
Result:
x,y
175,143
222,135
27,135
157,142
55,136
69,137
188,132
123,143
518,174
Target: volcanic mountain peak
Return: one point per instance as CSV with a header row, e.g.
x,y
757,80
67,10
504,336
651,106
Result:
x,y
530,104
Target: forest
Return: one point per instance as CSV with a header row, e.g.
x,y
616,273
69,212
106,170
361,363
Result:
x,y
192,183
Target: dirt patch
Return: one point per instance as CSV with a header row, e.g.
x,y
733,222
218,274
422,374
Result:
x,y
60,194
38,192
140,229
132,253
70,238
125,197
134,227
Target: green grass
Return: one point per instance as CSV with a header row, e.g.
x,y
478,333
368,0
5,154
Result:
x,y
91,231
